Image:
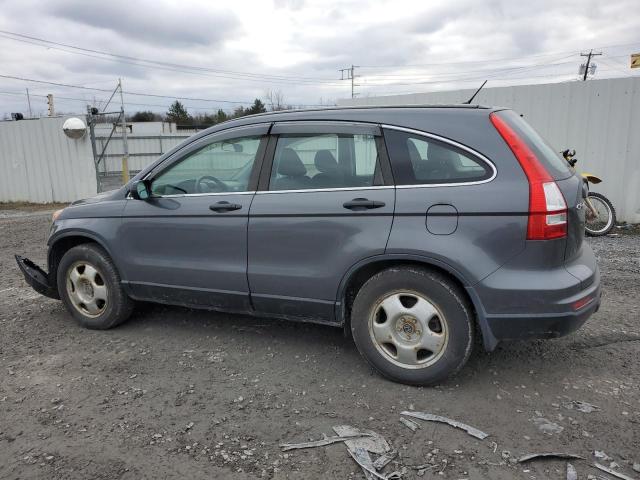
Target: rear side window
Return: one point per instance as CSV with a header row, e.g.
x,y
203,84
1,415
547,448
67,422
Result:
x,y
303,162
552,161
420,160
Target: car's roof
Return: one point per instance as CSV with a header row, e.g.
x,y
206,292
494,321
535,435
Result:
x,y
366,113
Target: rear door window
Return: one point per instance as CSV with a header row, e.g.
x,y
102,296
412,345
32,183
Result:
x,y
317,161
557,166
422,160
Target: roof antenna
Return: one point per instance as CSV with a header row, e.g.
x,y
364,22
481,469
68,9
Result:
x,y
468,102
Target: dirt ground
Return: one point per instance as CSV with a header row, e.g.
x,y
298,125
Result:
x,y
176,393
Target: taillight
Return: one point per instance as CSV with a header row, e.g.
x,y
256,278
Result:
x,y
547,206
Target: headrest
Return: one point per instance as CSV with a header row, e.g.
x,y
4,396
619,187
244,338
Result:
x,y
414,154
325,161
441,154
290,164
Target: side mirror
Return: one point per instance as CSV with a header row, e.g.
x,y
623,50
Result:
x,y
140,190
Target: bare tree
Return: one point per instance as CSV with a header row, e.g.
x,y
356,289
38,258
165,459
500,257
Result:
x,y
275,100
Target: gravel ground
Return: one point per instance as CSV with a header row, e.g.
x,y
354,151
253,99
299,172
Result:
x,y
179,393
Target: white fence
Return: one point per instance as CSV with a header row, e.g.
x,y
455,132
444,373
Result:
x,y
143,149
599,118
39,164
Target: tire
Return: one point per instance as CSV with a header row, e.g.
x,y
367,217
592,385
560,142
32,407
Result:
x,y
432,312
89,287
598,230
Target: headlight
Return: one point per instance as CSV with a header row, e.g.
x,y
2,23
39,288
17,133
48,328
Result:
x,y
56,214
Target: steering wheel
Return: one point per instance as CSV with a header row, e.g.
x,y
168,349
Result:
x,y
222,187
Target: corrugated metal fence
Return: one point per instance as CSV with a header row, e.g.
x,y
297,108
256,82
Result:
x,y
38,163
599,118
143,149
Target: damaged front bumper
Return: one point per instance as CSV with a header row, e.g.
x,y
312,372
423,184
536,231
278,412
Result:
x,y
37,278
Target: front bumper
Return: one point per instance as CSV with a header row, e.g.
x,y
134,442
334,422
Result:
x,y
37,278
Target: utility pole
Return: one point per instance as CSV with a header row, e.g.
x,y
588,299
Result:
x,y
350,75
125,145
29,102
50,109
586,67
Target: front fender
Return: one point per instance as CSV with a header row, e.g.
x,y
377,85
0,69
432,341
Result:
x,y
101,231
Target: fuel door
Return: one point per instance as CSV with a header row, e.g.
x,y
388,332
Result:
x,y
442,219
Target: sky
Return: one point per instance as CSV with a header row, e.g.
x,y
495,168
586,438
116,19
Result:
x,y
223,54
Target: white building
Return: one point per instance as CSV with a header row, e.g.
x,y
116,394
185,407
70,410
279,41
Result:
x,y
600,119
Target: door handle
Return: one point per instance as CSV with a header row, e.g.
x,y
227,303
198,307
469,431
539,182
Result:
x,y
359,204
223,206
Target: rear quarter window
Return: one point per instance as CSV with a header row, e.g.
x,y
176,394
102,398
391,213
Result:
x,y
421,160
552,160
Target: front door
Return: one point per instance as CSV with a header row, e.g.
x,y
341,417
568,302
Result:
x,y
322,207
187,244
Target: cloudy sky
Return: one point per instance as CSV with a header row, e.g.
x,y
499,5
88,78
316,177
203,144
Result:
x,y
209,52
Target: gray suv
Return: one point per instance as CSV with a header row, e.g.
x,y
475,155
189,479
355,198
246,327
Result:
x,y
415,229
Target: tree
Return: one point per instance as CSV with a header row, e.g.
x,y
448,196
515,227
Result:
x,y
257,107
178,113
221,116
275,100
146,116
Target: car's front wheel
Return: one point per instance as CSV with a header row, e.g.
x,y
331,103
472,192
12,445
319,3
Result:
x,y
413,325
89,286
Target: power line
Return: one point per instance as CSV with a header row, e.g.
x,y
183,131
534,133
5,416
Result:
x,y
458,62
140,94
143,62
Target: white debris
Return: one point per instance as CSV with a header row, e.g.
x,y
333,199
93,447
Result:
x,y
474,432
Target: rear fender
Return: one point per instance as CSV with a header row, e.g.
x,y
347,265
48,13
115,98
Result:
x,y
489,341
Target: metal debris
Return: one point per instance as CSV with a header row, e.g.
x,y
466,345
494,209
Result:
x,y
612,472
362,458
571,472
474,432
322,443
367,439
413,426
383,460
531,456
360,447
599,454
581,406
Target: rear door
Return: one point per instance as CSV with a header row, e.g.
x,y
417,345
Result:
x,y
570,184
187,244
323,204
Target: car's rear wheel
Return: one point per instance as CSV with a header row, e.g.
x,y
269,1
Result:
x,y
413,325
89,286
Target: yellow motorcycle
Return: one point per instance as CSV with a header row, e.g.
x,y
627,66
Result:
x,y
600,215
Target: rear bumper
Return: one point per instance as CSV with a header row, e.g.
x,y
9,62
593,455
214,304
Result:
x,y
517,303
553,325
36,277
